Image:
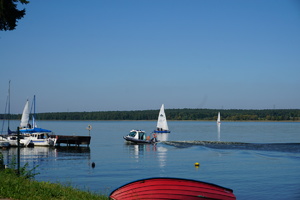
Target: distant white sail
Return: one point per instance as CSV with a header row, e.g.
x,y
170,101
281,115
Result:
x,y
219,118
162,119
25,115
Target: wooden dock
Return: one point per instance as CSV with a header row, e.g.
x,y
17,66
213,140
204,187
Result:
x,y
72,140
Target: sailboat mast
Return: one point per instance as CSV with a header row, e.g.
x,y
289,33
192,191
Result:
x,y
33,119
34,105
7,111
8,104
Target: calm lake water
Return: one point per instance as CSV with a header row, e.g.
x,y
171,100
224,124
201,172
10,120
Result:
x,y
271,172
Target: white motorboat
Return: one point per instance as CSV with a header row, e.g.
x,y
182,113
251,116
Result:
x,y
139,136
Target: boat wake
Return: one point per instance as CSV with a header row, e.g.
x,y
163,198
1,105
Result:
x,y
282,147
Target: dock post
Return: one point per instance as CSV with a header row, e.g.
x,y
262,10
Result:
x,y
18,136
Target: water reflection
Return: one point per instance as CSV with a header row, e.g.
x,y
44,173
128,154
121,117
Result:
x,y
39,154
219,132
81,151
137,151
29,153
162,137
162,156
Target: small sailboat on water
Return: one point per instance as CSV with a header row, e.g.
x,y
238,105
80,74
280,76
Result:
x,y
162,125
219,118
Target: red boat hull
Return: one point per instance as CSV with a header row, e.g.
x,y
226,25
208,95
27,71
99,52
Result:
x,y
171,188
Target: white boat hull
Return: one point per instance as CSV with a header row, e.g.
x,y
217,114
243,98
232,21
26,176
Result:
x,y
139,136
4,144
12,140
42,142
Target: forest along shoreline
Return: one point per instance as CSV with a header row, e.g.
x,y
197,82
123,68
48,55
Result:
x,y
285,115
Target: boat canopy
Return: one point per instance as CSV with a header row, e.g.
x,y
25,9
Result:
x,y
34,130
138,134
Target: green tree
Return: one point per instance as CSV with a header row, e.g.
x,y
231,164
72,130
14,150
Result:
x,y
9,14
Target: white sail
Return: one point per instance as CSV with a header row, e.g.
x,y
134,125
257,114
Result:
x,y
219,118
162,119
25,115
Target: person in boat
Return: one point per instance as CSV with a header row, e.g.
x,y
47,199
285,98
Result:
x,y
154,139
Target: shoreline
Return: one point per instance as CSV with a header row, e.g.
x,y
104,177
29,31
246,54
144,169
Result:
x,y
40,189
171,120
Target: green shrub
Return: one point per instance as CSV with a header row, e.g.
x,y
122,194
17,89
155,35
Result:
x,y
21,188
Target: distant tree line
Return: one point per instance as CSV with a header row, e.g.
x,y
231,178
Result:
x,y
172,114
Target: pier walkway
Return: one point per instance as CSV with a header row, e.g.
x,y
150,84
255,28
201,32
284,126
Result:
x,y
72,140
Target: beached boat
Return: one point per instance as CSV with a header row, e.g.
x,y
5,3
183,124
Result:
x,y
162,125
139,136
37,136
171,188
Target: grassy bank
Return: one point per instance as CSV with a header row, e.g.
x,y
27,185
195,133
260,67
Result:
x,y
15,187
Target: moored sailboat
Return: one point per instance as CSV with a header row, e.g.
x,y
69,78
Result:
x,y
162,125
38,136
11,137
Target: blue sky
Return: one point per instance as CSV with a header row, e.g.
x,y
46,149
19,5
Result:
x,y
137,54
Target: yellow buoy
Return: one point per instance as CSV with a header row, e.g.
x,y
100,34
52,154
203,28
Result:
x,y
197,164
